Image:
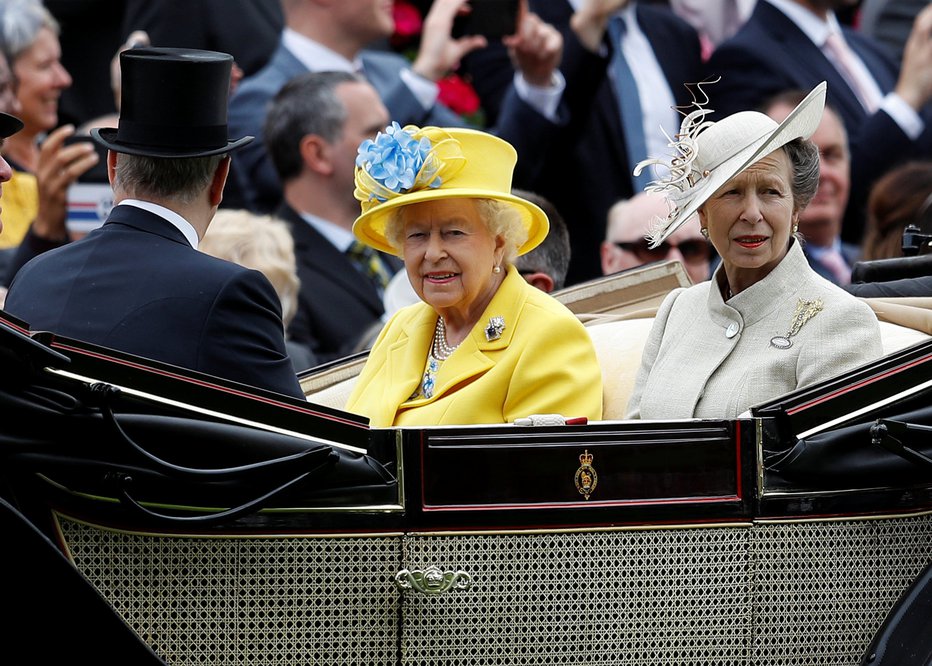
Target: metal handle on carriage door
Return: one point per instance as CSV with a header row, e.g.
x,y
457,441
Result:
x,y
432,580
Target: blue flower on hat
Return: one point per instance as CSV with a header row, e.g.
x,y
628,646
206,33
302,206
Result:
x,y
394,160
404,160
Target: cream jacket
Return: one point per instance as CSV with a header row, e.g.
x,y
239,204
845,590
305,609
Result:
x,y
709,359
543,363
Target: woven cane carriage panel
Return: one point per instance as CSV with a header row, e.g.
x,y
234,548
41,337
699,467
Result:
x,y
678,596
294,600
822,589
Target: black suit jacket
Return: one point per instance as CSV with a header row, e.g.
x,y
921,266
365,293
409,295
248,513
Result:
x,y
587,170
336,303
136,285
771,54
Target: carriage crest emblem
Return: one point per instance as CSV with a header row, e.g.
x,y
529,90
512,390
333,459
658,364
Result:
x,y
586,478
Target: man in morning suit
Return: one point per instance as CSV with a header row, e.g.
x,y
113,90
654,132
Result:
x,y
332,35
313,129
796,44
138,284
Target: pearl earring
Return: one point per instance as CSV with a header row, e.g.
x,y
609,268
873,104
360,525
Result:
x,y
496,269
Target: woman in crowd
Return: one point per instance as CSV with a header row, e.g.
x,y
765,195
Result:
x,y
484,346
903,196
766,323
41,175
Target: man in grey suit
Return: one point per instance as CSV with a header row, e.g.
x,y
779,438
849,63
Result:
x,y
322,35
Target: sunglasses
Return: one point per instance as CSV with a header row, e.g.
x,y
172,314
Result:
x,y
692,250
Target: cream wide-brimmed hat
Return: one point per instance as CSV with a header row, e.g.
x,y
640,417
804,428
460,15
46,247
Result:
x,y
409,165
709,154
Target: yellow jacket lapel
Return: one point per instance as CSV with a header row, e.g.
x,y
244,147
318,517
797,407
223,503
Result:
x,y
476,354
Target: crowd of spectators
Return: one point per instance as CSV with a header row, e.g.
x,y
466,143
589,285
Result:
x,y
584,89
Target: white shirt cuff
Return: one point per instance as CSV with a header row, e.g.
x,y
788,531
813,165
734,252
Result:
x,y
543,99
903,115
424,90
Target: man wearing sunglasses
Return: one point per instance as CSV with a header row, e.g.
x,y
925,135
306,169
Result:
x,y
625,245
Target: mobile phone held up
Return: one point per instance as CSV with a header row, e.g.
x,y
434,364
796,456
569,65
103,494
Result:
x,y
492,19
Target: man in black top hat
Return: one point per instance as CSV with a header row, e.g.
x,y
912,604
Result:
x,y
138,283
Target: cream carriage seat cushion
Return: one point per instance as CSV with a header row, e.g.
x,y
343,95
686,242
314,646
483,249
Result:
x,y
336,395
896,337
618,346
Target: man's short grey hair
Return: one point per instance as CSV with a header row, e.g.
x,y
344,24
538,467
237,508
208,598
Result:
x,y
308,104
178,179
500,218
20,23
804,160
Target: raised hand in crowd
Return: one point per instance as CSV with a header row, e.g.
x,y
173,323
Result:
x,y
591,21
440,52
915,82
535,49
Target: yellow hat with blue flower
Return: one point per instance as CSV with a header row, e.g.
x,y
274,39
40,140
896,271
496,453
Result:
x,y
403,166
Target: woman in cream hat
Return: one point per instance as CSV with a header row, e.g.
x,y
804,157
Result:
x,y
766,323
483,346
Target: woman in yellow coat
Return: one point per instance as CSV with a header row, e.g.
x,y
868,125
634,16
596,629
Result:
x,y
483,346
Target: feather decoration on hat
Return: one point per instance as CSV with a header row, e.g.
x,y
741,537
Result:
x,y
682,176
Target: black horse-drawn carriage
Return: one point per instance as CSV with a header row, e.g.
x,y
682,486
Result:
x,y
228,525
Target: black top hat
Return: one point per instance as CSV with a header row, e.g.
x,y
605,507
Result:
x,y
9,125
173,104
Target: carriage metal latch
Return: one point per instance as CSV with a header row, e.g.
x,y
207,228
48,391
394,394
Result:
x,y
432,580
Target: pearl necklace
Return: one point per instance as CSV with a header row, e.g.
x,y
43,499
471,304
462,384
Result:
x,y
440,350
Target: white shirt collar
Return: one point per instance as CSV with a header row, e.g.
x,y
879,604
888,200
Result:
x,y
168,215
814,28
339,237
315,56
